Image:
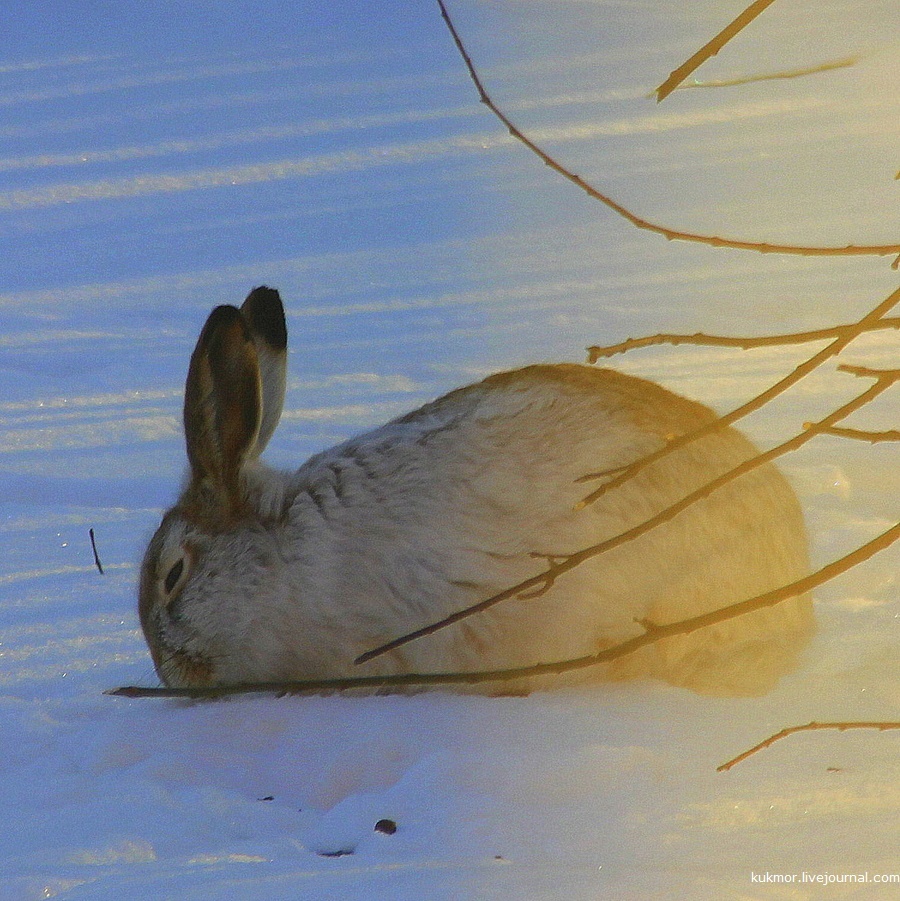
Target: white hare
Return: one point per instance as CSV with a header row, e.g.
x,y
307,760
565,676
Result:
x,y
258,575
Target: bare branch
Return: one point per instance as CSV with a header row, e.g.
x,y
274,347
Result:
x,y
846,335
711,48
861,435
809,727
543,581
668,233
597,352
652,634
867,372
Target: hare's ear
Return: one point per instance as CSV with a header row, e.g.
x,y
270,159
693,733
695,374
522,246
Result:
x,y
222,402
264,314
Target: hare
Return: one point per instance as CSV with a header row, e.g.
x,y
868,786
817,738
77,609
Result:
x,y
258,575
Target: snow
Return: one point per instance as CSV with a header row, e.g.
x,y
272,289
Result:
x,y
158,159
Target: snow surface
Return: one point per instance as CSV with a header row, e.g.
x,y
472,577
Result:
x,y
157,159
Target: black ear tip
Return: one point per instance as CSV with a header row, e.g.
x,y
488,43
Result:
x,y
262,292
265,315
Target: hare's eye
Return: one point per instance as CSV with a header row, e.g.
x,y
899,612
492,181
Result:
x,y
173,575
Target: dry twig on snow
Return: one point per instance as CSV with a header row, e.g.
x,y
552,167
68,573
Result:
x,y
97,562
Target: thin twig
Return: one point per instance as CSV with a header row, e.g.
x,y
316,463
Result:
x,y
700,339
651,635
862,435
847,334
808,727
711,48
96,555
639,222
539,584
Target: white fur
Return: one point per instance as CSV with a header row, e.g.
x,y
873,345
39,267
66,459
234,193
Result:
x,y
437,510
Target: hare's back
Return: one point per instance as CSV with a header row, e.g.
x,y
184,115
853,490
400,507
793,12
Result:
x,y
508,455
558,418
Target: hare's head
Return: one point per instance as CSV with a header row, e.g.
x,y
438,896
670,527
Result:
x,y
211,550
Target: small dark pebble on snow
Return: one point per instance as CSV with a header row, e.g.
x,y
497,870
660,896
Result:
x,y
386,827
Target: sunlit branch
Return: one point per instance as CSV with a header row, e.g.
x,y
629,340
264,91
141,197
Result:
x,y
846,334
652,633
557,566
711,48
668,233
863,435
597,352
809,727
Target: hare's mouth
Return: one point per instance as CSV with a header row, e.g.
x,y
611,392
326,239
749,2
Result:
x,y
180,669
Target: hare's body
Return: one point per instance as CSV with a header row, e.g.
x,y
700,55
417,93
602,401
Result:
x,y
293,575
